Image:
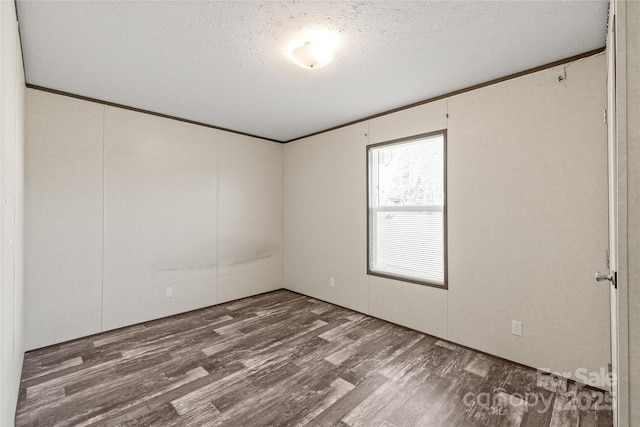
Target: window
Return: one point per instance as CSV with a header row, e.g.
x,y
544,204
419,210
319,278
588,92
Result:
x,y
407,209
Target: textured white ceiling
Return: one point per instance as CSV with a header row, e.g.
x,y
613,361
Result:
x,y
225,63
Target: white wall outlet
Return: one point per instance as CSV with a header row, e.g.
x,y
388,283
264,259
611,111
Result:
x,y
168,292
516,327
332,282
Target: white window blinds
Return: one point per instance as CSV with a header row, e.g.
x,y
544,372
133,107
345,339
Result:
x,y
407,209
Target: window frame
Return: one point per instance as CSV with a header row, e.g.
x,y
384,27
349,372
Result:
x,y
445,285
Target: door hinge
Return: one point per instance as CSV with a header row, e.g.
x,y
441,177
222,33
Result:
x,y
608,259
604,116
614,281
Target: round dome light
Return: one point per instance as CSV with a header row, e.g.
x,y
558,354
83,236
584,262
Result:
x,y
312,55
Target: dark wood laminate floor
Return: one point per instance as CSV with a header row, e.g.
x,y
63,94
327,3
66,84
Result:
x,y
283,359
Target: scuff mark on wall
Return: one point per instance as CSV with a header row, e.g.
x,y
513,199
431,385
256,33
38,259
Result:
x,y
185,274
189,268
245,261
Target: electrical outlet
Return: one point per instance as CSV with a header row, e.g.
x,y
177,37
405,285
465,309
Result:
x,y
516,328
168,292
332,282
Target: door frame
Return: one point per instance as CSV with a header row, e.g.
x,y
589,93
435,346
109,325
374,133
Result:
x,y
612,174
616,48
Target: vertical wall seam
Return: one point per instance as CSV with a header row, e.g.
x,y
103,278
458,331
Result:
x,y
15,199
15,193
367,219
284,207
447,231
104,119
217,195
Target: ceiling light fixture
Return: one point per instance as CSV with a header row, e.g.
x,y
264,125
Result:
x,y
312,54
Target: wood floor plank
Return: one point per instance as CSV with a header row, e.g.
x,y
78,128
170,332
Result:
x,y
350,401
284,359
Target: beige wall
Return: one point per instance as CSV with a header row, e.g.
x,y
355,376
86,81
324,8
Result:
x,y
12,88
63,217
159,217
528,218
527,192
121,205
250,210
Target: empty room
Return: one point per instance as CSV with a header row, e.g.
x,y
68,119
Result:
x,y
320,213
